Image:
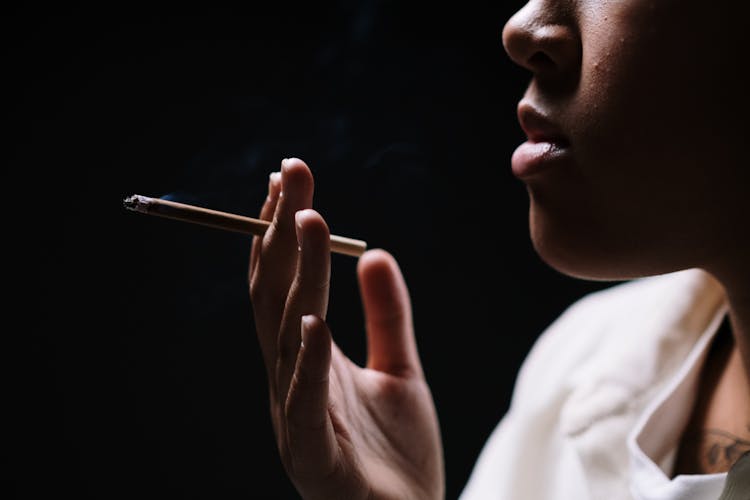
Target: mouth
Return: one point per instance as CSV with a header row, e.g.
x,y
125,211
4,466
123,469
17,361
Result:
x,y
546,145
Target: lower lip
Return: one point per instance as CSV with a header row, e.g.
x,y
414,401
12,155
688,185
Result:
x,y
532,158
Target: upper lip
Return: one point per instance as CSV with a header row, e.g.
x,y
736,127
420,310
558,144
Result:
x,y
538,127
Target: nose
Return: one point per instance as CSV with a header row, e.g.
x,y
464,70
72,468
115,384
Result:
x,y
541,38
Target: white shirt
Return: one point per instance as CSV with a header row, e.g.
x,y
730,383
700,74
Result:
x,y
604,395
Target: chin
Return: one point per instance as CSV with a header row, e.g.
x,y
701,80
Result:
x,y
588,252
562,257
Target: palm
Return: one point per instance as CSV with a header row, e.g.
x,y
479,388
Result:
x,y
386,426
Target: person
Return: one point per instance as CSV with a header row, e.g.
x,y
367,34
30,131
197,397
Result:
x,y
637,173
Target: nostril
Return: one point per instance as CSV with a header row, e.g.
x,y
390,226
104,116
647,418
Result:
x,y
541,62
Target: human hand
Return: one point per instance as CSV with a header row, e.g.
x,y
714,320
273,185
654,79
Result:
x,y
343,431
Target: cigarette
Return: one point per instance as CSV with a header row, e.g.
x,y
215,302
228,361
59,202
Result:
x,y
225,221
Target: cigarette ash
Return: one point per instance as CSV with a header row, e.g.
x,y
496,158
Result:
x,y
137,203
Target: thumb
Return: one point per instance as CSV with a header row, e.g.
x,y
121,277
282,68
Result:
x,y
391,346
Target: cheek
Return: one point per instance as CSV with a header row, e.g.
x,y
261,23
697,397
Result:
x,y
646,119
657,149
641,142
626,105
660,85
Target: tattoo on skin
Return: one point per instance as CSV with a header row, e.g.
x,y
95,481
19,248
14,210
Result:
x,y
726,448
715,450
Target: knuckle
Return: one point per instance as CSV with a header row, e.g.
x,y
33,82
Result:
x,y
307,284
321,286
310,378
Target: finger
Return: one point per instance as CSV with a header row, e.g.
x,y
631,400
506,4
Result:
x,y
309,291
310,435
278,250
277,262
266,213
391,346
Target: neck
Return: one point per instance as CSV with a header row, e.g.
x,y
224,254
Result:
x,y
728,263
739,315
719,428
737,288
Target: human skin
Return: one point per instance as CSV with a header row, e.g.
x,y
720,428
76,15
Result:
x,y
648,97
343,431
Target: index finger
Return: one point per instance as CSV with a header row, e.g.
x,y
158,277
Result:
x,y
266,213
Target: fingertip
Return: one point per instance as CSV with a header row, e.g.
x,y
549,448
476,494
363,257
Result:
x,y
296,177
381,280
376,260
307,216
311,226
291,167
275,178
308,323
274,185
316,341
293,162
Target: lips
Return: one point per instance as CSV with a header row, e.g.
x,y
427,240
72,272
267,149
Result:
x,y
546,146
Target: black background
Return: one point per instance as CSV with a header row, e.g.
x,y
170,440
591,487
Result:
x,y
138,373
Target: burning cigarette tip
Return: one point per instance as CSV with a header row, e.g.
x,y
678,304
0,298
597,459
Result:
x,y
137,203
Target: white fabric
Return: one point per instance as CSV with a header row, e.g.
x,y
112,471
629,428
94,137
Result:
x,y
603,396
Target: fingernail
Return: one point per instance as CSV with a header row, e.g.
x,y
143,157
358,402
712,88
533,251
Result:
x,y
305,326
275,179
282,172
284,175
298,226
273,185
